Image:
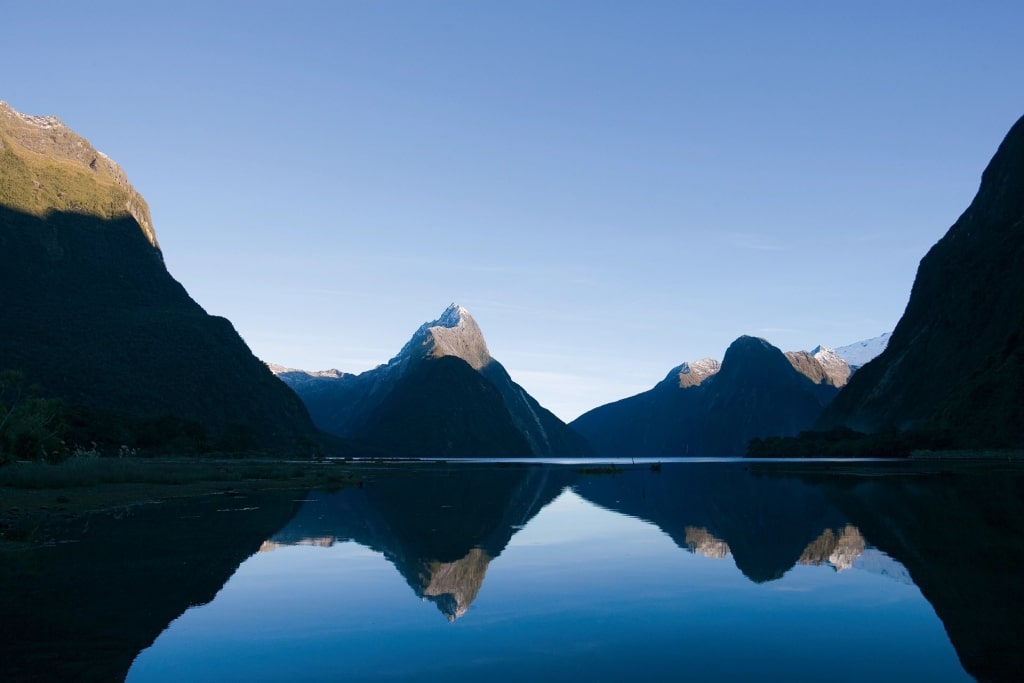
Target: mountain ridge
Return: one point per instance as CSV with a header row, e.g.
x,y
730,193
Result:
x,y
425,378
964,312
711,408
91,314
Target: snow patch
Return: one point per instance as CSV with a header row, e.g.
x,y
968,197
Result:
x,y
860,353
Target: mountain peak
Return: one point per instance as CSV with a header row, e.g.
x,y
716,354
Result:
x,y
693,374
748,344
52,168
859,353
454,333
452,316
836,368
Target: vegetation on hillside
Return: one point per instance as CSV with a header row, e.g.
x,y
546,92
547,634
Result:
x,y
31,426
40,186
843,442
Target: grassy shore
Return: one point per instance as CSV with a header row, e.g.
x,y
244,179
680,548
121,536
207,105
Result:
x,y
34,496
972,455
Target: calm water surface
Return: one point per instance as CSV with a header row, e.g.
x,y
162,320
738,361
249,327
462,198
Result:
x,y
711,571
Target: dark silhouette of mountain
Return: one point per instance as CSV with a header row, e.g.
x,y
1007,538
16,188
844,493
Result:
x,y
442,395
955,361
91,314
960,535
83,610
440,528
704,409
420,417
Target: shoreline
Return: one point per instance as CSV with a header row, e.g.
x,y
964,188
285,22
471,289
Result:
x,y
37,497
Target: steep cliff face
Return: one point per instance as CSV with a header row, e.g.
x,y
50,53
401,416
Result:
x,y
956,359
47,167
711,409
442,395
91,314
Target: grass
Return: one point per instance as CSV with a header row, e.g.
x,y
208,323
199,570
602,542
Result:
x,y
991,454
39,184
91,471
600,469
34,495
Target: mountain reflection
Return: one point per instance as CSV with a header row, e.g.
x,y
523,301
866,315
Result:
x,y
766,524
837,550
700,541
83,610
840,549
440,527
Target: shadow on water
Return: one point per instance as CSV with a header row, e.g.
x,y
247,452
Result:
x,y
958,531
84,610
961,536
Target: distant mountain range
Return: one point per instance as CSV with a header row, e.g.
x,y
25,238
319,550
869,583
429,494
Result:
x,y
91,315
707,408
442,395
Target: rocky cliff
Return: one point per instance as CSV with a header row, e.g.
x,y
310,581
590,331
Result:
x,y
91,314
955,362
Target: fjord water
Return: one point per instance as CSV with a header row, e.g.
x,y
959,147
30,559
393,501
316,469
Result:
x,y
704,571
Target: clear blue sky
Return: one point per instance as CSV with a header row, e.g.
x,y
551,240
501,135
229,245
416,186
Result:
x,y
611,188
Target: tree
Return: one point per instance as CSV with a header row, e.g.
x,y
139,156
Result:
x,y
31,426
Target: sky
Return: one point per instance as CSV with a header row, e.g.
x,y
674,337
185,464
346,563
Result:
x,y
610,188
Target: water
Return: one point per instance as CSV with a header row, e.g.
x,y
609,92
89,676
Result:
x,y
701,571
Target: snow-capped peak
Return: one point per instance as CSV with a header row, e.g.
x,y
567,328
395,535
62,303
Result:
x,y
692,374
859,353
454,333
837,369
451,317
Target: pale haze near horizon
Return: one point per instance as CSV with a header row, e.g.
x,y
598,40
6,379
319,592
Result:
x,y
610,188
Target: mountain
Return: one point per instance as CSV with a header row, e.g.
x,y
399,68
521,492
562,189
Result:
x,y
442,395
835,365
955,362
711,409
858,354
91,314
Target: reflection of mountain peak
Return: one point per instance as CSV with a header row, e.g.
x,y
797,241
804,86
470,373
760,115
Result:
x,y
318,542
839,551
453,586
440,528
700,541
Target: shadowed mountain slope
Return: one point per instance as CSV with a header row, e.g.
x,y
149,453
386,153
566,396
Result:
x,y
707,409
91,314
955,361
442,395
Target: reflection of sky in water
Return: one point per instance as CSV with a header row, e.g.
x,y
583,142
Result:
x,y
579,592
